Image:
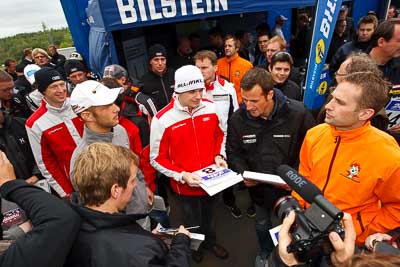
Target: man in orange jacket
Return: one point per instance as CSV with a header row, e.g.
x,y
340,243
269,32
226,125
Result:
x,y
232,66
356,166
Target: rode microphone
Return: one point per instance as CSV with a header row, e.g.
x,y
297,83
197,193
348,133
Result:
x,y
307,190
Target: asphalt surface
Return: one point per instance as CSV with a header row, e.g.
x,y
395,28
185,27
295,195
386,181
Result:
x,y
236,235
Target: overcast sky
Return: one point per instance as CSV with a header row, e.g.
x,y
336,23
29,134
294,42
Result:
x,y
19,16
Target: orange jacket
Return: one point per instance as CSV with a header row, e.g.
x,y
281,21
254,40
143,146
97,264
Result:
x,y
364,179
233,69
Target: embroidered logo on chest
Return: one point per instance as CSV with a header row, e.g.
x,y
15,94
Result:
x,y
352,172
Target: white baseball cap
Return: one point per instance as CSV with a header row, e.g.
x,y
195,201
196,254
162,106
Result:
x,y
92,94
29,72
188,78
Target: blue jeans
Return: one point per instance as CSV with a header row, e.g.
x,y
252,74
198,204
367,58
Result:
x,y
263,224
200,210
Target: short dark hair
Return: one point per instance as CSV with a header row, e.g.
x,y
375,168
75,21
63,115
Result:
x,y
203,54
368,19
8,62
384,30
281,56
374,93
257,76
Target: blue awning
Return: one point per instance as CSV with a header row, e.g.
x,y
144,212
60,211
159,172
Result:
x,y
124,14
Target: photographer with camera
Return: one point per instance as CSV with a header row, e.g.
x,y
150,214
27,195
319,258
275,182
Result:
x,y
343,249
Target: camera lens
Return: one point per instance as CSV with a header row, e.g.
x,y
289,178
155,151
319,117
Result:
x,y
284,205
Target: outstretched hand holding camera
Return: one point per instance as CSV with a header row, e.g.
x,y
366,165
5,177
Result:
x,y
343,249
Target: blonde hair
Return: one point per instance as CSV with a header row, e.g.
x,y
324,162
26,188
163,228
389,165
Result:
x,y
98,167
39,51
279,40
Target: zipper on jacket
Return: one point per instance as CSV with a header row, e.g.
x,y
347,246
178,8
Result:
x,y
197,143
337,141
360,221
165,91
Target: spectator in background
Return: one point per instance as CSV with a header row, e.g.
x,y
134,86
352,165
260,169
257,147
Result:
x,y
343,14
274,45
53,148
10,65
391,13
244,51
135,106
9,101
34,98
361,43
262,42
56,58
300,44
76,73
277,30
386,51
195,42
216,42
232,66
280,67
338,39
158,82
21,83
184,54
41,58
27,57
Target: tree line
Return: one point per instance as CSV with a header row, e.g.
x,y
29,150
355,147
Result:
x,y
13,46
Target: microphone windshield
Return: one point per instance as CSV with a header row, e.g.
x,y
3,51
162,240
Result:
x,y
307,190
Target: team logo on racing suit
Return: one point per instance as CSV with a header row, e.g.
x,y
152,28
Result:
x,y
352,172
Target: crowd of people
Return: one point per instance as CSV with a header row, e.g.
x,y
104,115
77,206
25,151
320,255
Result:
x,y
101,149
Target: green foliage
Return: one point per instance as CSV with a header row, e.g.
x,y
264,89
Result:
x,y
12,47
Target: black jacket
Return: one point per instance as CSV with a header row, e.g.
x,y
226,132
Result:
x,y
58,60
55,226
290,89
15,143
344,51
22,84
160,89
259,145
110,240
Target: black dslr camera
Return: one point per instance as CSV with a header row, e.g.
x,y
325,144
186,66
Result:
x,y
312,226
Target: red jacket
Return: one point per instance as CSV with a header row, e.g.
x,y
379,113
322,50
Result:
x,y
185,141
53,135
136,146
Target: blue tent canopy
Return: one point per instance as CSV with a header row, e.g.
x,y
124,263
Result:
x,y
92,31
123,14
